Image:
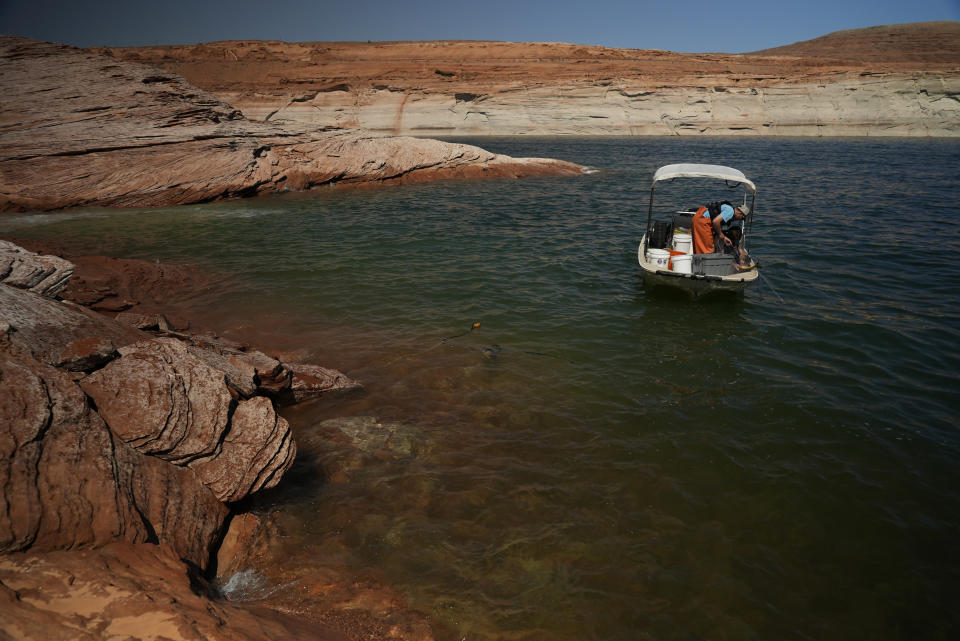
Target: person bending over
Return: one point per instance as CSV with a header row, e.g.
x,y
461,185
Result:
x,y
707,229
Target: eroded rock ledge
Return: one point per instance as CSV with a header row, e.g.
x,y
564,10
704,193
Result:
x,y
129,445
892,80
81,128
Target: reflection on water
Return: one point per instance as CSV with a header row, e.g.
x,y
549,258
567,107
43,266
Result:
x,y
596,460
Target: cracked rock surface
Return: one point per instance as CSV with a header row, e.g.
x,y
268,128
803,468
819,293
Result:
x,y
112,433
123,452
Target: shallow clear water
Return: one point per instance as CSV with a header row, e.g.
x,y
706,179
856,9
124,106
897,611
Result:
x,y
597,461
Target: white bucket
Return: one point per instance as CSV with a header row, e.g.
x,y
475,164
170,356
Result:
x,y
683,264
683,243
659,257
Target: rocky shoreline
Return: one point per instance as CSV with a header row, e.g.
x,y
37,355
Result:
x,y
83,128
128,440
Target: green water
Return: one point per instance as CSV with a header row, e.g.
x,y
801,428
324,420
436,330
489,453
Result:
x,y
597,461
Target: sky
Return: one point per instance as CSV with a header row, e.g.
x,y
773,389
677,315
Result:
x,y
732,26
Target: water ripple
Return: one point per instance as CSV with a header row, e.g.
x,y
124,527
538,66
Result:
x,y
596,460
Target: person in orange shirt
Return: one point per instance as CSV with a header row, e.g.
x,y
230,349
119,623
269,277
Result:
x,y
707,227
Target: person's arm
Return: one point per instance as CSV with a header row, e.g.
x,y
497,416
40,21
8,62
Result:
x,y
717,222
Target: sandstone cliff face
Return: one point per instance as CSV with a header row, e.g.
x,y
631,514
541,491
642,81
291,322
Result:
x,y
68,481
83,128
110,433
902,80
120,450
894,105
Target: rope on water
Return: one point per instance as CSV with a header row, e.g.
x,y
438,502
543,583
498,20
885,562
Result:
x,y
476,325
490,352
770,285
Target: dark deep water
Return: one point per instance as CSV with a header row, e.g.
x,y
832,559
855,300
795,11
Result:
x,y
597,461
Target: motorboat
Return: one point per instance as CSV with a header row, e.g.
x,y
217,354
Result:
x,y
666,251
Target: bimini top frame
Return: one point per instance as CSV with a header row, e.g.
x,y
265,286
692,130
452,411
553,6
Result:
x,y
690,170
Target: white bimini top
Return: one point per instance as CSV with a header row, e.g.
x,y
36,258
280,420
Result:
x,y
692,170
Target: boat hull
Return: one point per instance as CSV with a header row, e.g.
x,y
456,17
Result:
x,y
694,284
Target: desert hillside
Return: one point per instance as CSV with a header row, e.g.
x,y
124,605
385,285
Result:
x,y
899,80
81,128
921,46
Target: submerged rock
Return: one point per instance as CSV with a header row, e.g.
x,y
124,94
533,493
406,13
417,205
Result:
x,y
370,435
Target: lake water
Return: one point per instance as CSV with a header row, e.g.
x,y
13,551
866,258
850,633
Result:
x,y
597,461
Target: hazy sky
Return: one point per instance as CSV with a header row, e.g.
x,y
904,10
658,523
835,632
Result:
x,y
734,26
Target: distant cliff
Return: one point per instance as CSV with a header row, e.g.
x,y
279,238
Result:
x,y
81,128
898,80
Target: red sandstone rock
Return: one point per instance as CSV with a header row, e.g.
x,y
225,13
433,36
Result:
x,y
166,399
248,371
892,80
919,45
83,128
66,482
158,397
237,544
240,374
162,400
313,381
270,373
257,450
44,275
125,591
57,333
307,71
87,354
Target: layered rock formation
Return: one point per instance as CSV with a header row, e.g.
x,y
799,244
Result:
x,y
900,80
159,430
69,482
44,275
111,438
83,128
